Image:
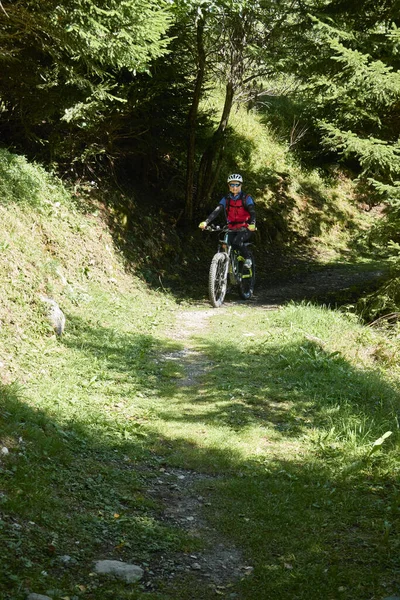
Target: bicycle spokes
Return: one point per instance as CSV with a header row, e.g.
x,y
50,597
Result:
x,y
217,284
227,266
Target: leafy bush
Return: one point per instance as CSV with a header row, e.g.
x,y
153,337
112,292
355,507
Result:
x,y
27,183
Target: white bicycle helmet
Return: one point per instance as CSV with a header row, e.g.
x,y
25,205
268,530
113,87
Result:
x,y
235,177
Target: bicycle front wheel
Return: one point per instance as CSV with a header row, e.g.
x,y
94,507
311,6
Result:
x,y
247,279
217,281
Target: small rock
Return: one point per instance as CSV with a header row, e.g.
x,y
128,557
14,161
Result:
x,y
196,566
4,451
55,315
38,597
65,559
126,572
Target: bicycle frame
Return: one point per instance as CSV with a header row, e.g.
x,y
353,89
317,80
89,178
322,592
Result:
x,y
227,268
232,266
233,256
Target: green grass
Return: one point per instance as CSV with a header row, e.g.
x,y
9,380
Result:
x,y
285,413
76,433
286,416
289,414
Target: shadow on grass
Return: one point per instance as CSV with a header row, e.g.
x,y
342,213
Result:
x,y
310,524
290,387
71,495
69,488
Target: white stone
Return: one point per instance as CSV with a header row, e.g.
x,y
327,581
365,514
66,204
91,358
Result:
x,y
126,572
55,315
65,559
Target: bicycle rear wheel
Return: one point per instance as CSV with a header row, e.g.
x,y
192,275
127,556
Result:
x,y
247,279
217,280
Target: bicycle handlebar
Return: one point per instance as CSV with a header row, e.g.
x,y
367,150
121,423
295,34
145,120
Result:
x,y
223,229
215,228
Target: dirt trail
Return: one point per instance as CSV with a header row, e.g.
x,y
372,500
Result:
x,y
327,283
189,323
220,564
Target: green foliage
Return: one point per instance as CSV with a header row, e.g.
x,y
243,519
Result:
x,y
360,100
383,302
377,157
353,90
23,182
123,34
66,67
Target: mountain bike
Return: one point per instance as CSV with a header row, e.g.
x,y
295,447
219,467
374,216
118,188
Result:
x,y
227,269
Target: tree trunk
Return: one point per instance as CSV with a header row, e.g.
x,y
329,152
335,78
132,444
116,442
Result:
x,y
192,120
208,170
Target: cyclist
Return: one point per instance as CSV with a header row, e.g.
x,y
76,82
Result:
x,y
240,215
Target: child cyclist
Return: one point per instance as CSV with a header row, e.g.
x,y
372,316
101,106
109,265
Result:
x,y
240,215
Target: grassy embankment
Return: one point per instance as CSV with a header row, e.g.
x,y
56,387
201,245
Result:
x,y
286,417
314,211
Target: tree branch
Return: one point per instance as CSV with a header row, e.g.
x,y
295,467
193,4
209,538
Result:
x,y
4,10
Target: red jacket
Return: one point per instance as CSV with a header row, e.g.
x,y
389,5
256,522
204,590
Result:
x,y
237,213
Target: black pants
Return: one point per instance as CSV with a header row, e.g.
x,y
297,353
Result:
x,y
238,240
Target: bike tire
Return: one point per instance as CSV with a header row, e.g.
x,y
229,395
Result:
x,y
247,279
217,280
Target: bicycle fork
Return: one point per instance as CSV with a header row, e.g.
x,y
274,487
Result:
x,y
227,264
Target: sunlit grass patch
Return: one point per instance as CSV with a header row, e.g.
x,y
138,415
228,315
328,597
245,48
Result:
x,y
309,355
